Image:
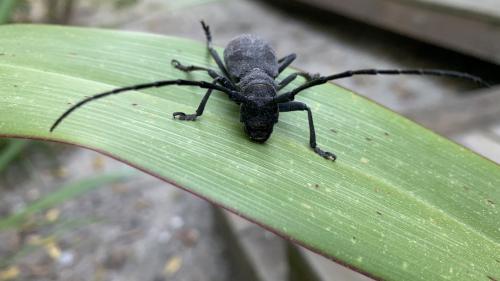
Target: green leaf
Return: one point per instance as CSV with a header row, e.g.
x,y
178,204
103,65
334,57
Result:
x,y
400,203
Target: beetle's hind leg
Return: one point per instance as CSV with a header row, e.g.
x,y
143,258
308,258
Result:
x,y
296,106
284,62
212,51
199,111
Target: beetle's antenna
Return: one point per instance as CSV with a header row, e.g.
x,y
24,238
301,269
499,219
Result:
x,y
434,72
157,84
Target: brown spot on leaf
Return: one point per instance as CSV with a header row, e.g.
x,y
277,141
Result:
x,y
333,131
368,139
316,185
134,104
491,278
386,133
379,213
490,202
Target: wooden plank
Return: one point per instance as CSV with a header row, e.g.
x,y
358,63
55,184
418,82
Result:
x,y
470,27
483,9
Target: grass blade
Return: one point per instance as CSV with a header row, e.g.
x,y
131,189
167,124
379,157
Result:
x,y
11,150
6,8
61,195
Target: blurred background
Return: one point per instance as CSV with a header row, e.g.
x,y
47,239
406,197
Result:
x,y
72,214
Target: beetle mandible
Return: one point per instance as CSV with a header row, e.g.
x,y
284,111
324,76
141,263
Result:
x,y
249,76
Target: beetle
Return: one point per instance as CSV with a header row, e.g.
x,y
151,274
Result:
x,y
248,76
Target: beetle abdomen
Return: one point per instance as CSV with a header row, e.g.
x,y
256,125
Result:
x,y
247,52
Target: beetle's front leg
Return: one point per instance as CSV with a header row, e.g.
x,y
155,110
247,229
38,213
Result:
x,y
296,106
189,68
199,111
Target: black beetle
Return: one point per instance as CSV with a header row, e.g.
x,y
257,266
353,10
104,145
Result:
x,y
249,79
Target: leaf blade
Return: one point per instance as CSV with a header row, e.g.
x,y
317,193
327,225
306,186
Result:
x,y
398,203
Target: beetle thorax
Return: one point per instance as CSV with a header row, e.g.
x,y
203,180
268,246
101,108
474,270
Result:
x,y
255,77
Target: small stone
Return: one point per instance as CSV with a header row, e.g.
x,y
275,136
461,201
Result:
x,y
189,237
60,172
52,215
9,273
9,242
141,204
116,258
53,250
33,194
176,222
164,236
67,258
98,163
172,266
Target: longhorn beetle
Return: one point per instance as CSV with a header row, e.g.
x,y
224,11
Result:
x,y
248,77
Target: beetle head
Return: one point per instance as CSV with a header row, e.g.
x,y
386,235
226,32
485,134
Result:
x,y
258,113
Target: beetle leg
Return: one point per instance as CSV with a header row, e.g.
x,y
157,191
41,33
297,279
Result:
x,y
292,77
188,68
199,111
285,62
296,106
212,51
287,81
